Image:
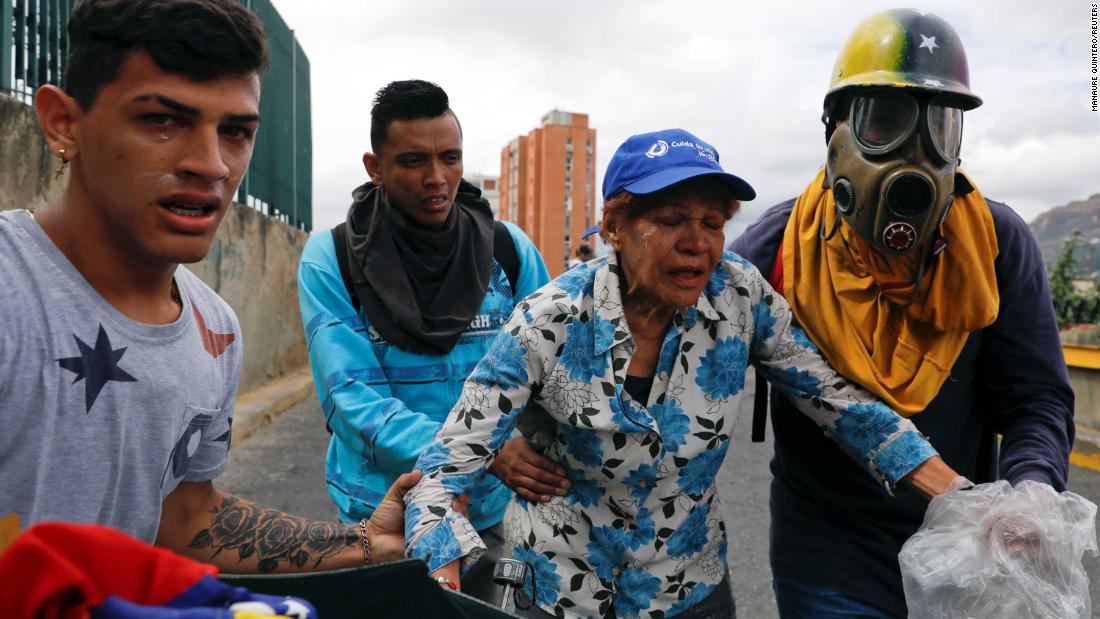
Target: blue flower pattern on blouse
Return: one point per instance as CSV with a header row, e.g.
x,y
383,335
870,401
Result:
x,y
641,480
635,592
577,356
646,531
546,583
764,321
691,537
698,594
503,364
698,476
722,368
605,550
624,415
435,456
803,340
797,380
641,512
584,446
576,281
583,491
673,423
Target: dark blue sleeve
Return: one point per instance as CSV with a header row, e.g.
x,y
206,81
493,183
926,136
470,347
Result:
x,y
759,243
1024,379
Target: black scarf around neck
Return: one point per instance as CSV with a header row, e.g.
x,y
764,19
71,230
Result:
x,y
420,288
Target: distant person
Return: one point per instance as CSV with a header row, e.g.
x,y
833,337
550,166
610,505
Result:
x,y
402,301
119,366
915,286
640,359
583,254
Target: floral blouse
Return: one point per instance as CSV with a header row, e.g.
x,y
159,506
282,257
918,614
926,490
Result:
x,y
640,529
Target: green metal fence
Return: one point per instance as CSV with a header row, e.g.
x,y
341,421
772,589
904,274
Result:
x,y
279,183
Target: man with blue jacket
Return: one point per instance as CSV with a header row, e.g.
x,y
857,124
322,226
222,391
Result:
x,y
403,300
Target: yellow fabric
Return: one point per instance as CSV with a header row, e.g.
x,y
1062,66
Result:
x,y
9,530
835,289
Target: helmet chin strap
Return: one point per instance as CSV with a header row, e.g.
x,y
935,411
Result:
x,y
937,246
836,226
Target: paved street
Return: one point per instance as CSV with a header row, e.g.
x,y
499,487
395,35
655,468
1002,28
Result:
x,y
282,465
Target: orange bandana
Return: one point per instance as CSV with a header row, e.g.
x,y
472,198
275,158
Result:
x,y
849,298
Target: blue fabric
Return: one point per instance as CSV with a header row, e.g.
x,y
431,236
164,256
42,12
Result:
x,y
209,598
385,404
799,600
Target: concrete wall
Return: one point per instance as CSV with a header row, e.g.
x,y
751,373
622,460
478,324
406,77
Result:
x,y
27,166
1083,373
252,264
1086,388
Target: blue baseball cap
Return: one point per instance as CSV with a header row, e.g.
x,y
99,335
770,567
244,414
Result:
x,y
650,162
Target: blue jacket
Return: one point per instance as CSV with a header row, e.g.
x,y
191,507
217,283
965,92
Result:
x,y
385,404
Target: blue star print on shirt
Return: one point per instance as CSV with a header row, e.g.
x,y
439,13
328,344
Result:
x,y
96,366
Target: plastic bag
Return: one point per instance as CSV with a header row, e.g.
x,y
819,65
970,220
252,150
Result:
x,y
997,551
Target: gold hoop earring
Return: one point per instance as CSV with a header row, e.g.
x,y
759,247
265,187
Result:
x,y
64,164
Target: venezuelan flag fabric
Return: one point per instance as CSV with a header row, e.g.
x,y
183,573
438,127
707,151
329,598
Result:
x,y
72,571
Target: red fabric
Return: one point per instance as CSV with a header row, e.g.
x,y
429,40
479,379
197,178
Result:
x,y
775,278
57,570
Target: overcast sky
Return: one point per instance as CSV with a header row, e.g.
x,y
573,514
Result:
x,y
747,77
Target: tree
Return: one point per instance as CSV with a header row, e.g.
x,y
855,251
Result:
x,y
1061,279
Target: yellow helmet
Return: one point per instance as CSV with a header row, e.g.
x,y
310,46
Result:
x,y
904,48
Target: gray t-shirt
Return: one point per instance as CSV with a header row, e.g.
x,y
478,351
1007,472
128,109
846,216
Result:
x,y
101,416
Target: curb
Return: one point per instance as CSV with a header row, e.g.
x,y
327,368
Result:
x,y
262,405
1086,449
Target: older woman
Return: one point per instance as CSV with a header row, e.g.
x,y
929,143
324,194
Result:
x,y
640,359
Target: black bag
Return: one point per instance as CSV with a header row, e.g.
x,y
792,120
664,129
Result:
x,y
390,590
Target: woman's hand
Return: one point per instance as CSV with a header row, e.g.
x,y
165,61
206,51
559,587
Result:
x,y
932,477
452,573
528,473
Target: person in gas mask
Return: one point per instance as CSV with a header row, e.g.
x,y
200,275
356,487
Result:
x,y
921,290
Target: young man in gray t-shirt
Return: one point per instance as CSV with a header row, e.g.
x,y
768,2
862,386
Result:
x,y
118,367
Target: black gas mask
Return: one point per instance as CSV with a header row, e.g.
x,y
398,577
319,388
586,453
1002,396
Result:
x,y
891,165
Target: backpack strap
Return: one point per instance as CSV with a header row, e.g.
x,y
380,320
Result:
x,y
760,402
504,251
340,241
759,408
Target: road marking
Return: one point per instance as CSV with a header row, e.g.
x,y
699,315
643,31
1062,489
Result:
x,y
1087,357
1089,461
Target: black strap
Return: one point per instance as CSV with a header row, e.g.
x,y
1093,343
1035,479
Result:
x,y
340,241
760,408
504,252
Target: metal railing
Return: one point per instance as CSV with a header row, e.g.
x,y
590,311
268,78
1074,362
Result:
x,y
279,183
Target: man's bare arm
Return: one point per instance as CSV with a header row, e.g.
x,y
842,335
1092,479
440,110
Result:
x,y
239,536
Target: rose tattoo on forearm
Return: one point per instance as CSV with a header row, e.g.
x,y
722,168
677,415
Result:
x,y
272,536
